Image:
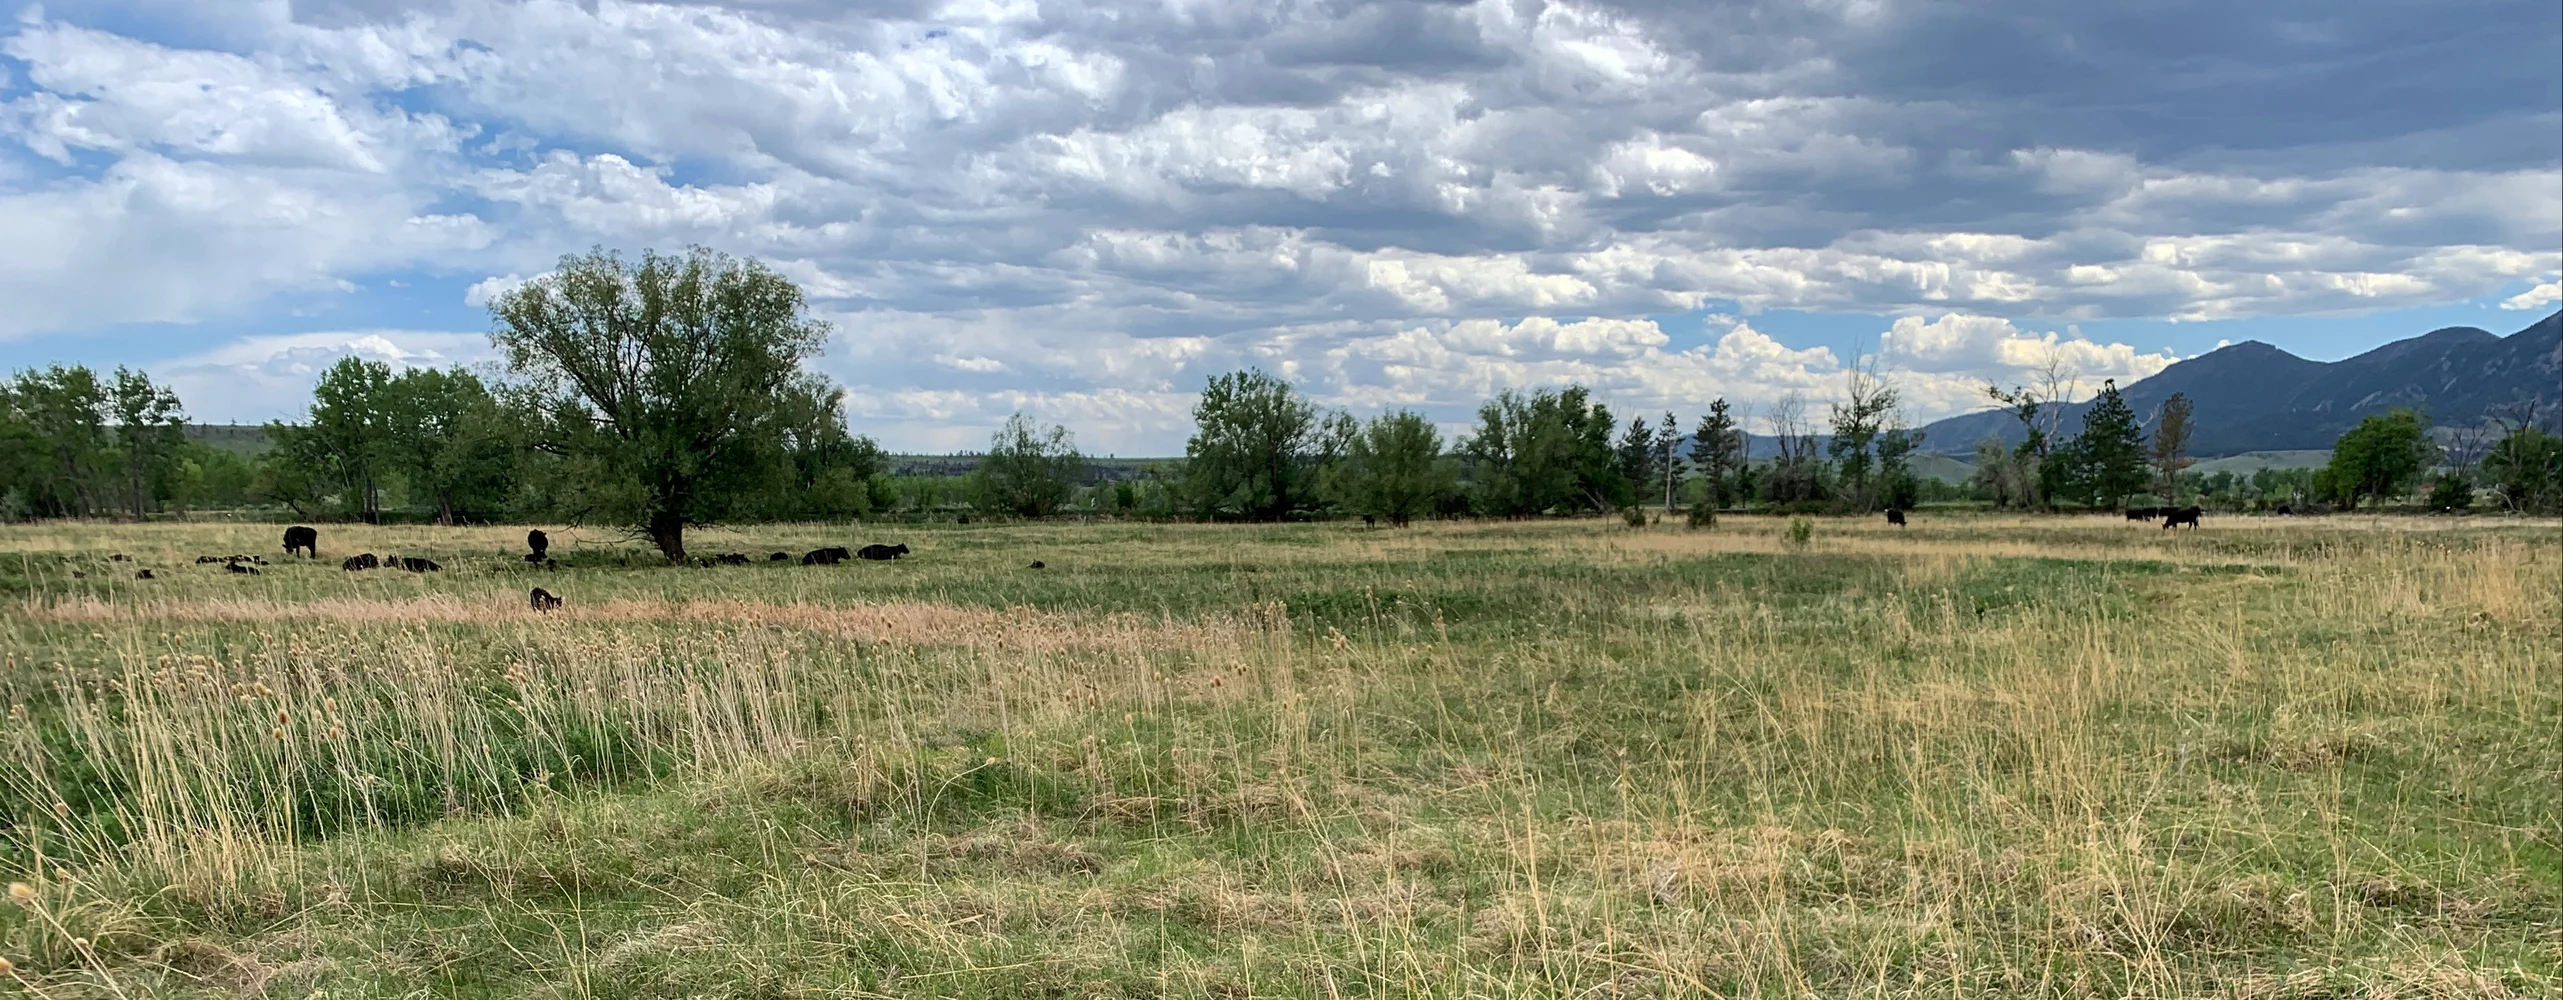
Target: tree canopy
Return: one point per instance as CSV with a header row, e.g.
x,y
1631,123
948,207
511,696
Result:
x,y
2382,457
1253,452
668,385
1393,468
1028,472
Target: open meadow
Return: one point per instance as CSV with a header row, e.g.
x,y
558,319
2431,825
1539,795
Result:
x,y
1982,756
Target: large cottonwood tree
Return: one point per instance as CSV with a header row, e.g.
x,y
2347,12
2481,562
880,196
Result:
x,y
666,384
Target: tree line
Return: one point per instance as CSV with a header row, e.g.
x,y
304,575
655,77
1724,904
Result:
x,y
672,390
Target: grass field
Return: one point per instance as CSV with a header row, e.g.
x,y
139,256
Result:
x,y
1980,757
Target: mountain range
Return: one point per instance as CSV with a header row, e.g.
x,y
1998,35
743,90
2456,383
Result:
x,y
2254,397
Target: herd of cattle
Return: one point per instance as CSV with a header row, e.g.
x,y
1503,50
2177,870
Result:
x,y
304,540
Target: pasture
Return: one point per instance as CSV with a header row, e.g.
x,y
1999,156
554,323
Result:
x,y
1980,756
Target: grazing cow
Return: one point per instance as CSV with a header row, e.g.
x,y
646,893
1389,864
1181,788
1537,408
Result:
x,y
201,560
2283,511
1895,517
415,564
2142,513
142,575
361,560
539,542
542,600
2181,516
1370,519
302,539
824,557
78,575
243,569
882,551
731,559
1036,564
779,557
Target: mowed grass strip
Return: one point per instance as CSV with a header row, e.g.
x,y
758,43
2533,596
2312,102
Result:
x,y
1979,756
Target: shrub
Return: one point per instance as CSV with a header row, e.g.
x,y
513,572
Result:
x,y
2451,495
1704,514
1801,531
1633,517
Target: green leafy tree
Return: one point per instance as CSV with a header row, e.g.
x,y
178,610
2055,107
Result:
x,y
342,452
1858,424
1029,472
1546,451
1394,468
665,385
61,420
151,429
2172,429
1998,476
451,440
2108,461
2382,457
2526,468
1254,449
2453,493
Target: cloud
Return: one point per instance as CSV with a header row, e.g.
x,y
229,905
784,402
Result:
x,y
1098,203
241,381
2539,297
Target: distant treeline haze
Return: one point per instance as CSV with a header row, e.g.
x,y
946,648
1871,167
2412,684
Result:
x,y
673,390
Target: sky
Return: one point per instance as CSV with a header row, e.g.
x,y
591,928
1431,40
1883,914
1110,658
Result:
x,y
1083,211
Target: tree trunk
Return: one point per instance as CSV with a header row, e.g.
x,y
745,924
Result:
x,y
667,531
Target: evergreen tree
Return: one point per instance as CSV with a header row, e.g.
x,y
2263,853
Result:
x,y
1636,452
1717,446
1668,456
2110,452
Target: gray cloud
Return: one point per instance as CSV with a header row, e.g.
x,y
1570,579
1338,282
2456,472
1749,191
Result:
x,y
1020,203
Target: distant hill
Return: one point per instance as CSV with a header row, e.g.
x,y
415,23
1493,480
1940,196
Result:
x,y
2254,397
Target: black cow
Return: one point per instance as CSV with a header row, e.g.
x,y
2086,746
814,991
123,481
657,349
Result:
x,y
779,557
731,559
359,561
882,551
1895,517
824,557
542,600
2143,513
243,569
201,560
119,557
302,539
142,574
415,564
1036,564
2284,512
539,542
2184,515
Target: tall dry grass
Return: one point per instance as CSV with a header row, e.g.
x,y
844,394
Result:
x,y
1998,756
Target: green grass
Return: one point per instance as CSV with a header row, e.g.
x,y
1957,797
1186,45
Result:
x,y
1983,756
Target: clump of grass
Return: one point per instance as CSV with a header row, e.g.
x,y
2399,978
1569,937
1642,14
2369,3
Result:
x,y
1801,532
